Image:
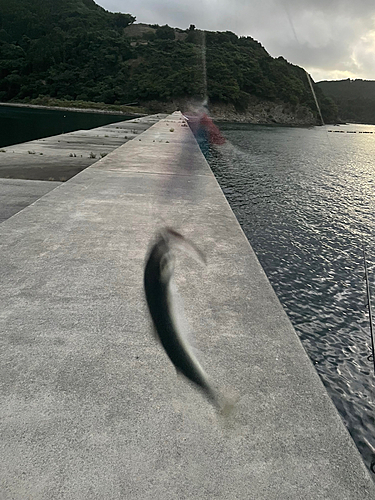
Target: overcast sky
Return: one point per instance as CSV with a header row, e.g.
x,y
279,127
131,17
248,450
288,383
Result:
x,y
332,39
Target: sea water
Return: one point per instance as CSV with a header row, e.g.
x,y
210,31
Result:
x,y
305,198
21,123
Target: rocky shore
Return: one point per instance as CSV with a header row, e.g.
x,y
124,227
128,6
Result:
x,y
257,112
265,113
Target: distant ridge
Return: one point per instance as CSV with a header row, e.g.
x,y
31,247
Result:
x,y
76,50
355,99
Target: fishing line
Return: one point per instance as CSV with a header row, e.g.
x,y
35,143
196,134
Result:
x,y
368,294
369,308
314,95
372,356
204,67
284,4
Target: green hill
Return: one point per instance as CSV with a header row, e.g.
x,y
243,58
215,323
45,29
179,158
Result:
x,y
76,50
355,99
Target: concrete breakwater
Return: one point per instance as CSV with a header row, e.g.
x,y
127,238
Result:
x,y
31,169
60,157
90,404
16,194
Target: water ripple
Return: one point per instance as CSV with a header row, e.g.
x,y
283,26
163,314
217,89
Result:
x,y
305,202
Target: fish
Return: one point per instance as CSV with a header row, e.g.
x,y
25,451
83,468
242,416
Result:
x,y
168,319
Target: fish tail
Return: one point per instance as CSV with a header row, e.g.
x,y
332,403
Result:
x,y
177,239
224,403
227,407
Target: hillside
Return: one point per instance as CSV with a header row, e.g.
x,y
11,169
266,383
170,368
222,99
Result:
x,y
75,50
355,99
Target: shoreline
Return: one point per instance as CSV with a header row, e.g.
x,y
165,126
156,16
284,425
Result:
x,y
66,108
217,115
265,123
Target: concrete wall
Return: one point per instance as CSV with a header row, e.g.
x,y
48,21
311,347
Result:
x,y
60,157
91,407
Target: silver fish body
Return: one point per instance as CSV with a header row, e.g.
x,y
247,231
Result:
x,y
161,299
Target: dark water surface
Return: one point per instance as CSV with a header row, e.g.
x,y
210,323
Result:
x,y
305,199
21,124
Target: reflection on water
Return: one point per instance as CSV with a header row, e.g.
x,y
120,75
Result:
x,y
305,199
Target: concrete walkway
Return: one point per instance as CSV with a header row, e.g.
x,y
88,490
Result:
x,y
91,407
60,157
16,194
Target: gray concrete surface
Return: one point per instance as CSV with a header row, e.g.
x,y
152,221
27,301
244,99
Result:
x,y
91,407
60,157
16,194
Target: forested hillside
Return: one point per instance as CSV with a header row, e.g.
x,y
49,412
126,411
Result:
x,y
355,99
75,50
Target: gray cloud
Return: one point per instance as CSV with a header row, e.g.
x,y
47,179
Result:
x,y
330,38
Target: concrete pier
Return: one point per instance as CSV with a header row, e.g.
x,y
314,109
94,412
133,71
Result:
x,y
60,157
16,194
91,407
31,169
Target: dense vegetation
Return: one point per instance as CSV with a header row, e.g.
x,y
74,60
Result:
x,y
355,99
75,50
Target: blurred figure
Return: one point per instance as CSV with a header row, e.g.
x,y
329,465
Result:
x,y
204,129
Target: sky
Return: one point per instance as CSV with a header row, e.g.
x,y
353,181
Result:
x,y
331,39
